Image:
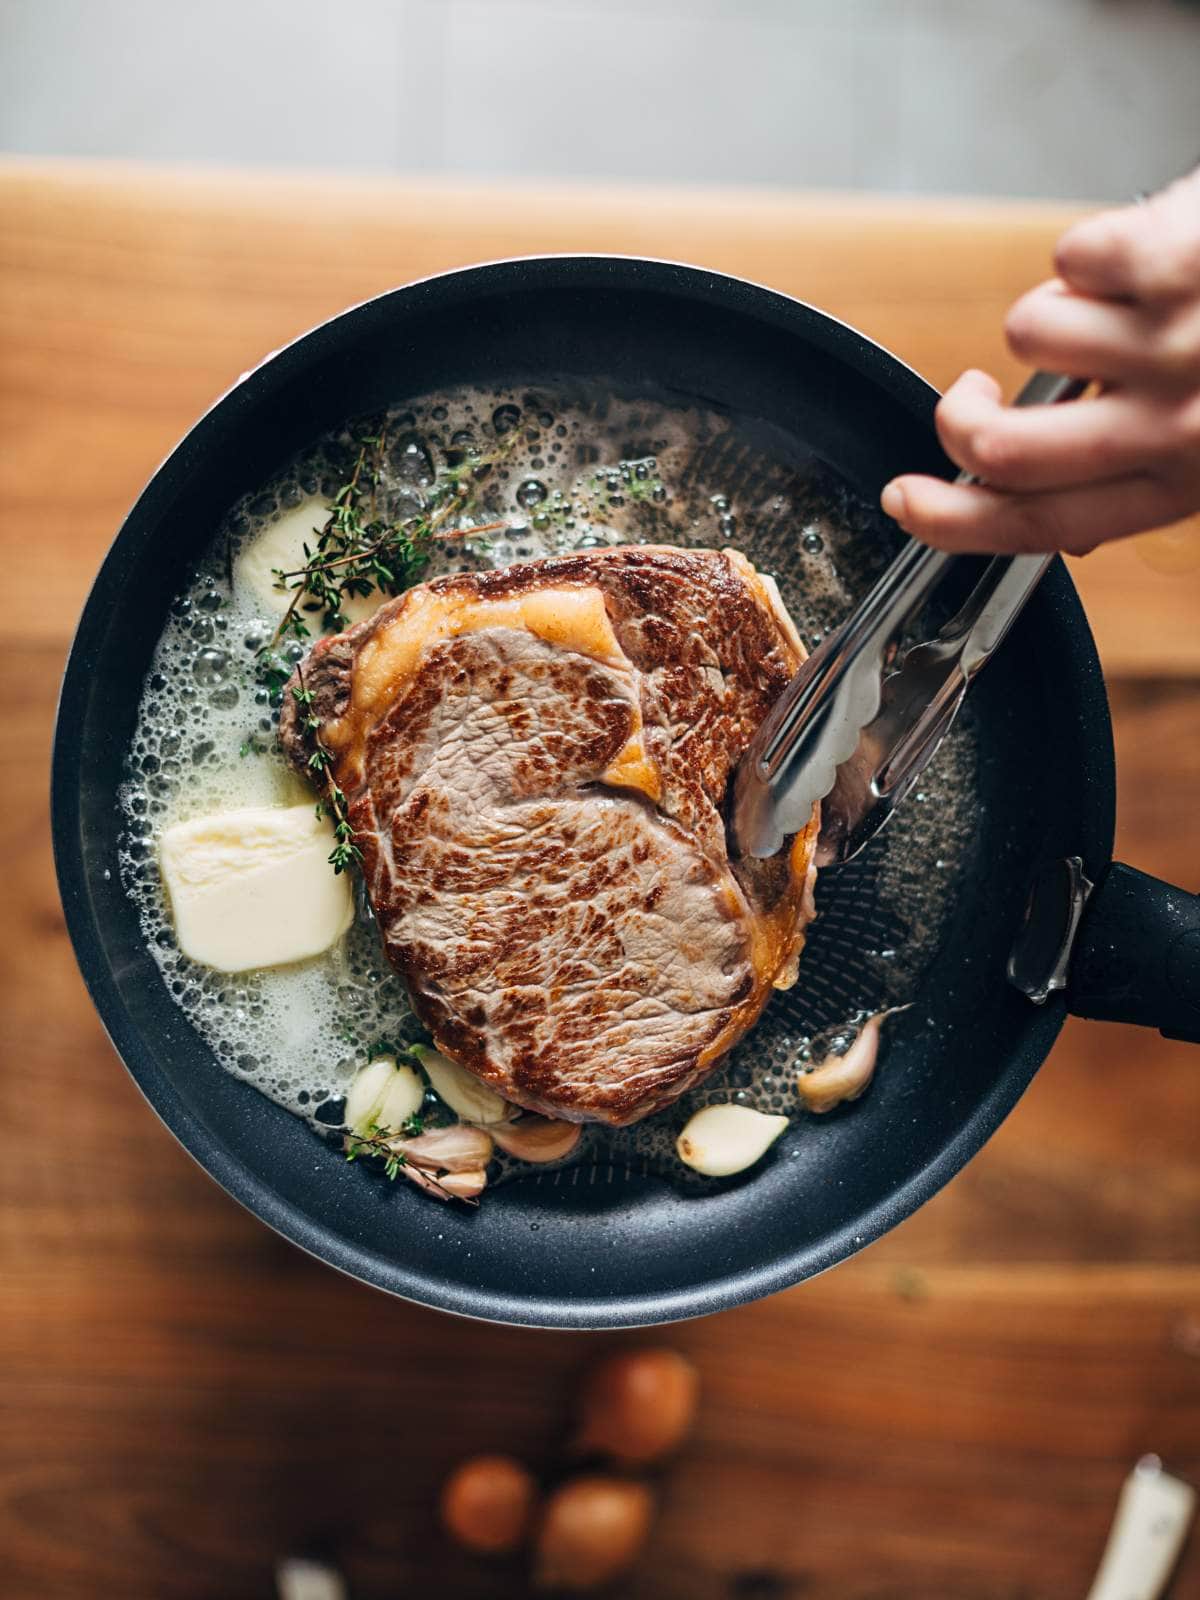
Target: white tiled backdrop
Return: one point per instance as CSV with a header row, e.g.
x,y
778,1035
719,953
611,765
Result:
x,y
1067,98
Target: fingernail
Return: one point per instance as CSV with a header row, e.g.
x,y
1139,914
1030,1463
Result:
x,y
894,502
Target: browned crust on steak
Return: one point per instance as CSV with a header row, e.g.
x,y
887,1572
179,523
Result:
x,y
541,817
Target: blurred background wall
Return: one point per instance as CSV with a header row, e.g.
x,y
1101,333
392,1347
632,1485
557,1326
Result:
x,y
1060,98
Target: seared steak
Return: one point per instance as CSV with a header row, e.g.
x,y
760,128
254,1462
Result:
x,y
535,762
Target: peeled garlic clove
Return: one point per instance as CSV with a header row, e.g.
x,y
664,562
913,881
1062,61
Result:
x,y
465,1094
845,1077
402,1099
383,1095
537,1138
722,1140
366,1094
459,1148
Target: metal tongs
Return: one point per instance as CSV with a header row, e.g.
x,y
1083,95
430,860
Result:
x,y
859,721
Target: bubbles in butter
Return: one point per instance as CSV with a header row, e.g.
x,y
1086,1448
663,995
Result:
x,y
588,470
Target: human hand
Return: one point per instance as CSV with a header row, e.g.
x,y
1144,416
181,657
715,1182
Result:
x,y
1124,310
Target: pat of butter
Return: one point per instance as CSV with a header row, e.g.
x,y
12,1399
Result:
x,y
281,547
254,888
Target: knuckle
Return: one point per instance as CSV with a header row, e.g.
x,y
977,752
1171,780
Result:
x,y
1098,244
1078,247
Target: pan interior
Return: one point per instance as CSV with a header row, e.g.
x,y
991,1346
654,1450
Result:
x,y
805,413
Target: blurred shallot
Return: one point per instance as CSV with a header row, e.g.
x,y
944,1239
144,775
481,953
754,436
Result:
x,y
488,1503
592,1531
636,1406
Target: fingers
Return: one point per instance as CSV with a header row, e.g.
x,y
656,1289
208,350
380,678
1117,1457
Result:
x,y
974,519
1060,331
1052,447
1147,253
1124,312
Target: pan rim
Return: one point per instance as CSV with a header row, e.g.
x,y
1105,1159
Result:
x,y
785,1268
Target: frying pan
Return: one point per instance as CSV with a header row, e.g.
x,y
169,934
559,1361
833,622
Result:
x,y
613,1246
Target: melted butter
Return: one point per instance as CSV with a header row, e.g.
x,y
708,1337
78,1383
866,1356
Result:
x,y
300,1032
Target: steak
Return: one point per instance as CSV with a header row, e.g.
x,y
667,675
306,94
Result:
x,y
535,763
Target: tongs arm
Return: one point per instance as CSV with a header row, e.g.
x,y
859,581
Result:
x,y
846,727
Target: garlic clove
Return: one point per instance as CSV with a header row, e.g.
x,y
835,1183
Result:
x,y
721,1140
459,1148
537,1138
402,1099
464,1185
383,1095
844,1077
447,1186
466,1095
366,1095
426,1182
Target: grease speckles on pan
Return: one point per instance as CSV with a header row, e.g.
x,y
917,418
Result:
x,y
588,470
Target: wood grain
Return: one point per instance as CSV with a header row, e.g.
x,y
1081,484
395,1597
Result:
x,y
183,1397
132,297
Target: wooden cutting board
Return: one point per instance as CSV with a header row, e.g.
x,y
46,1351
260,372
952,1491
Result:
x,y
183,1397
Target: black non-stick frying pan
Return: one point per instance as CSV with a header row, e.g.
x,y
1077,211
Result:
x,y
622,1249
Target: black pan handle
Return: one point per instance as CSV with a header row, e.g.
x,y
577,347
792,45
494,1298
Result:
x,y
1137,954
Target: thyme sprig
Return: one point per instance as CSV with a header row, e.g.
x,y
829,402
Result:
x,y
345,851
379,1142
357,551
342,524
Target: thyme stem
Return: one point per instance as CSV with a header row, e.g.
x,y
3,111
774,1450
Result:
x,y
345,850
356,1144
373,554
341,561
347,493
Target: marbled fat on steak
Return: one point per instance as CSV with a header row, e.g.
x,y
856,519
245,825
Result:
x,y
535,762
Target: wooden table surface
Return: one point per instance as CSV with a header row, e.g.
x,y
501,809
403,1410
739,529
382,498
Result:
x,y
184,1397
